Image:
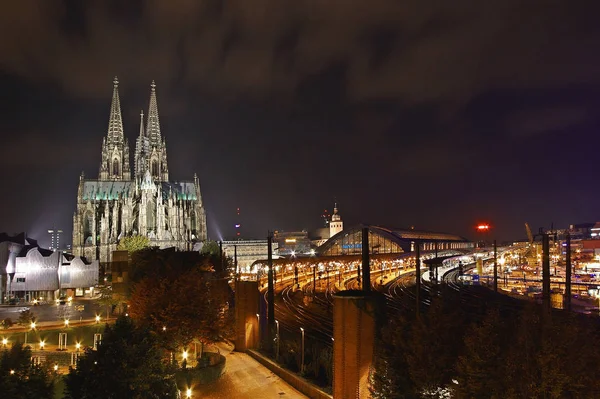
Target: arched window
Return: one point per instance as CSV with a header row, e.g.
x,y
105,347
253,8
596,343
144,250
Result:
x,y
88,222
193,221
155,168
115,168
151,215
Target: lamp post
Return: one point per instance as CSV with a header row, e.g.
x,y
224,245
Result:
x,y
302,363
184,355
278,340
32,325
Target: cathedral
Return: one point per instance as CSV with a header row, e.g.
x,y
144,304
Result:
x,y
121,203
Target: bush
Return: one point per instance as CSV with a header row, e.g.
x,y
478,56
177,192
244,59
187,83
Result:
x,y
6,323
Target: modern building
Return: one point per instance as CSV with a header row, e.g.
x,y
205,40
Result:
x,y
121,203
29,272
249,251
385,240
292,242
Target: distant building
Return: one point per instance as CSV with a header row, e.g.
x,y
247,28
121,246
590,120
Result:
x,y
292,242
29,272
249,251
335,225
386,240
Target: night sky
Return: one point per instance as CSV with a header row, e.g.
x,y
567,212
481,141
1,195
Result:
x,y
434,114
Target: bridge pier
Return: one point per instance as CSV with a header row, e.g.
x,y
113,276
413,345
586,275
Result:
x,y
246,309
354,320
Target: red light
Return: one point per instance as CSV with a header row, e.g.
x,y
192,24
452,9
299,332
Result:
x,y
483,227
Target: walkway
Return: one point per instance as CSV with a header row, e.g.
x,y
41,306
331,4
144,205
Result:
x,y
245,378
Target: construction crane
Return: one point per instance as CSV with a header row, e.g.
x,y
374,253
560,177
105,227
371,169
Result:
x,y
531,253
529,235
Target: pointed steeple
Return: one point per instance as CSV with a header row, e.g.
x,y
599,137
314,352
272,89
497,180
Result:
x,y
153,126
115,122
141,151
142,123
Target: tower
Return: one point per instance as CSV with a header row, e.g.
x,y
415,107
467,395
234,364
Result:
x,y
115,148
157,146
336,225
142,149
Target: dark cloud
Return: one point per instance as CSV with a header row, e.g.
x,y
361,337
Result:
x,y
282,105
416,52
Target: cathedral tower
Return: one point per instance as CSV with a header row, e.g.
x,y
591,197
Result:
x,y
156,156
114,206
115,148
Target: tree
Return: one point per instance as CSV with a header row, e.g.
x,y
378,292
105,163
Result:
x,y
128,364
6,323
480,369
133,243
107,300
183,308
211,248
19,378
433,345
26,317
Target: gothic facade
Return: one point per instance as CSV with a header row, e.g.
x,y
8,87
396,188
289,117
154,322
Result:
x,y
170,214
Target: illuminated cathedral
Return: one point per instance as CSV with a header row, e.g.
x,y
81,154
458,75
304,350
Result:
x,y
121,203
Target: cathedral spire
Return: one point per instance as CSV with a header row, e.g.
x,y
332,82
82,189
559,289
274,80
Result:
x,y
141,151
115,121
142,123
153,126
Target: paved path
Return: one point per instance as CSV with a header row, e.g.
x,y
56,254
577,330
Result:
x,y
245,378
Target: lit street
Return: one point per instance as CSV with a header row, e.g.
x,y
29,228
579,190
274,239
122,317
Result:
x,y
53,312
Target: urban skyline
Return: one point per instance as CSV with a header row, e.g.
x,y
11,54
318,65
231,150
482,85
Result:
x,y
441,138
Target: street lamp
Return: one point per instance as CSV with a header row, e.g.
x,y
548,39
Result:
x,y
66,323
4,342
184,355
77,346
302,366
277,324
258,329
97,319
42,343
188,393
56,367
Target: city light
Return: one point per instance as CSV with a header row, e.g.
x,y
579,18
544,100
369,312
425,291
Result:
x,y
33,325
185,355
4,341
188,393
56,367
77,345
97,318
164,328
12,372
483,227
66,322
42,344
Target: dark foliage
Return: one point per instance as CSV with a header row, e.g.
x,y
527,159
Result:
x,y
19,378
128,364
486,351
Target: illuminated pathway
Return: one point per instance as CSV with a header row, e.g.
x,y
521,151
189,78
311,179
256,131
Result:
x,y
245,378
